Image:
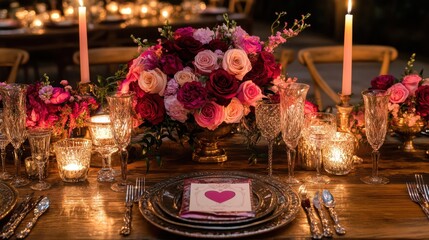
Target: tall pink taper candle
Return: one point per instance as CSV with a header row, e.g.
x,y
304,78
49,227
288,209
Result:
x,y
83,45
348,44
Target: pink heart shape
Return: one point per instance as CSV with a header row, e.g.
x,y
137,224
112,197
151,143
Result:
x,y
219,197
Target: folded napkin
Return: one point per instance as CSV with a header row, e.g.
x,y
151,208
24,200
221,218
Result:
x,y
217,199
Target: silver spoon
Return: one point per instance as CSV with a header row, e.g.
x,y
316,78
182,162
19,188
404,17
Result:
x,y
40,208
329,202
327,230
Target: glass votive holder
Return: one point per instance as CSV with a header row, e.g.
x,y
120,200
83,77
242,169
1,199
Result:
x,y
306,154
338,154
73,158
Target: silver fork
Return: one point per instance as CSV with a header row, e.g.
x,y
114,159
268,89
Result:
x,y
140,188
415,197
129,201
422,187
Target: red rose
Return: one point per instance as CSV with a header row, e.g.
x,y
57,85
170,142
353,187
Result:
x,y
181,32
187,47
192,95
171,64
422,100
222,86
382,82
264,69
134,87
151,108
217,44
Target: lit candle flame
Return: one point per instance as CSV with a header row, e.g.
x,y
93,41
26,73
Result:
x,y
81,3
349,8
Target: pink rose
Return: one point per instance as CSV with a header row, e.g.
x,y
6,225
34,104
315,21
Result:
x,y
204,35
398,93
310,107
249,93
59,96
153,81
234,111
186,75
236,63
210,116
206,61
411,82
175,109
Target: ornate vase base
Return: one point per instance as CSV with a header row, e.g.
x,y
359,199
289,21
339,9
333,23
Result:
x,y
407,146
212,156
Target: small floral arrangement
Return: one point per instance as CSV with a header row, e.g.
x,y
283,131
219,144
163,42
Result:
x,y
409,95
205,77
60,108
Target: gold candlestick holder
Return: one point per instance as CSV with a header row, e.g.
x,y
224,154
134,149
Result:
x,y
344,110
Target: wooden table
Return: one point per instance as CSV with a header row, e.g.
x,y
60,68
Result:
x,y
90,210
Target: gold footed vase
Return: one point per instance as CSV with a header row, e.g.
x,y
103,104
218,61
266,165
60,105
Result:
x,y
207,149
406,133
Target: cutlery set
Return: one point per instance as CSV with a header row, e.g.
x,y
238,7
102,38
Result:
x,y
419,193
132,195
321,201
38,205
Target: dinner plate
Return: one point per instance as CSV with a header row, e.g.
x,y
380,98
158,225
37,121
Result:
x,y
282,215
62,24
7,24
8,198
169,200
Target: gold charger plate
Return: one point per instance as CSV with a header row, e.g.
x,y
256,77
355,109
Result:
x,y
8,199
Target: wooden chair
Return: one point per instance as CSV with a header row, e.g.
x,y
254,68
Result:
x,y
310,57
109,56
286,56
11,59
241,6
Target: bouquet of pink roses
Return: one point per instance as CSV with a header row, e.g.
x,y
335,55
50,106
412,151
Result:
x,y
60,108
204,77
409,96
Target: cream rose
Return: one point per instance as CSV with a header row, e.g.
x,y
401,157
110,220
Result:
x,y
153,81
234,111
236,63
206,61
184,76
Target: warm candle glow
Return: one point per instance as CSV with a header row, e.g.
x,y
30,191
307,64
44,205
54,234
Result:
x,y
73,167
37,23
164,13
349,7
55,16
144,9
112,7
347,60
80,3
100,119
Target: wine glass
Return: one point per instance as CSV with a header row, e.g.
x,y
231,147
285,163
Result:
x,y
376,112
267,117
319,128
14,118
39,139
121,120
292,102
100,130
4,141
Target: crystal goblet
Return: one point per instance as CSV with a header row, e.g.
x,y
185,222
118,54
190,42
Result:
x,y
39,139
376,113
292,102
267,119
319,128
14,118
100,130
121,120
4,141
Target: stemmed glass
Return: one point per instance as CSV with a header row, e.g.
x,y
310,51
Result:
x,y
40,139
102,139
4,141
121,119
292,102
376,112
267,117
319,128
14,118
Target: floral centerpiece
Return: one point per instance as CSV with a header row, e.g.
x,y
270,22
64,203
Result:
x,y
203,77
61,108
409,101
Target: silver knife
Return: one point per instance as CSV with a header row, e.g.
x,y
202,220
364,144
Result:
x,y
327,230
40,208
314,227
16,213
26,209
